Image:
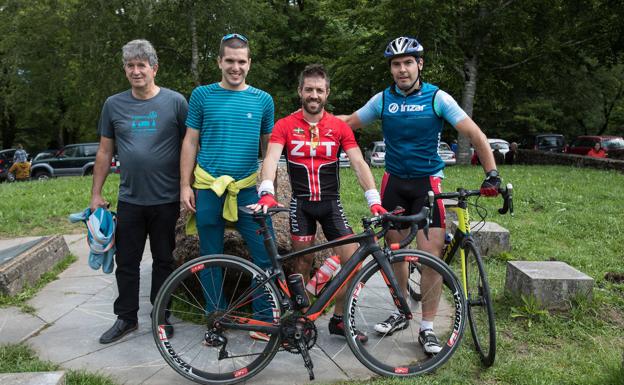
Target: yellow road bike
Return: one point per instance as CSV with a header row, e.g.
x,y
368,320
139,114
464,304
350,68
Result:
x,y
472,273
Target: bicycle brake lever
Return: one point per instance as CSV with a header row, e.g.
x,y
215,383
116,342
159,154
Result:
x,y
426,229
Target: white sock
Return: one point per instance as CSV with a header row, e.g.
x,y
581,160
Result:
x,y
424,325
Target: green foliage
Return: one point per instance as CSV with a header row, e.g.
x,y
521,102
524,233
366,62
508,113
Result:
x,y
20,358
531,310
59,60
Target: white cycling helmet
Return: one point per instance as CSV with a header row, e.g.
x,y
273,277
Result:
x,y
402,46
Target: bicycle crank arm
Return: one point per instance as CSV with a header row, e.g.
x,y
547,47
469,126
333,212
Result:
x,y
305,354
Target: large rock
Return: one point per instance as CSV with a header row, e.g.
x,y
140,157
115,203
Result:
x,y
491,237
554,284
187,247
23,265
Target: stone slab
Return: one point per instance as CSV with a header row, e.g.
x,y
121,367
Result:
x,y
27,267
552,283
38,378
11,242
15,326
492,238
14,251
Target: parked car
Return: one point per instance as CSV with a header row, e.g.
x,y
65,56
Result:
x,y
447,155
115,165
375,154
500,145
73,159
547,142
613,145
44,154
6,160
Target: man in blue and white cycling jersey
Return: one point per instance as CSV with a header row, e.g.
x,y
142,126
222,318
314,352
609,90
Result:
x,y
412,114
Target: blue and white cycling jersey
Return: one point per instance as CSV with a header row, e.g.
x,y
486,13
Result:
x,y
411,126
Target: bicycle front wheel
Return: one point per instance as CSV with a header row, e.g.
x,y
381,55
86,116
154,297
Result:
x,y
198,299
480,309
397,351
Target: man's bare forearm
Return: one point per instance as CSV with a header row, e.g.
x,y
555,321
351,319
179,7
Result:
x,y
187,157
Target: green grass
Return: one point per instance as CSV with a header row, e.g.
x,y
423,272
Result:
x,y
561,213
20,358
42,208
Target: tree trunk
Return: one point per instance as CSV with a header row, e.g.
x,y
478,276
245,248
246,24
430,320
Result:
x,y
471,63
194,50
8,129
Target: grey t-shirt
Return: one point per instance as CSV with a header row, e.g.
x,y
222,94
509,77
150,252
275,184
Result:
x,y
148,134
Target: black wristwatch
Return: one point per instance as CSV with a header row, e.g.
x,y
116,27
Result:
x,y
263,193
492,174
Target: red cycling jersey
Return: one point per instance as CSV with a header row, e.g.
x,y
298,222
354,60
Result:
x,y
313,162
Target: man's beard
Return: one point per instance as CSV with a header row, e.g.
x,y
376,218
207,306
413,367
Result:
x,y
310,111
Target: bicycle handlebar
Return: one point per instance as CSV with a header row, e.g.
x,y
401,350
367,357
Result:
x,y
506,192
391,219
386,220
272,210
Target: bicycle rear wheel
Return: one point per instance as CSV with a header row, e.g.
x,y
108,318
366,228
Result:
x,y
198,298
480,309
399,352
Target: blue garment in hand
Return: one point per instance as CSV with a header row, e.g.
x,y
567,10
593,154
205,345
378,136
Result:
x,y
101,226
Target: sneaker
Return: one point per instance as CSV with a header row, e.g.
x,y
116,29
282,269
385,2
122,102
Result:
x,y
259,336
396,321
336,326
429,341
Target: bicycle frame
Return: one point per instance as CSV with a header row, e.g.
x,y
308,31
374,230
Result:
x,y
462,234
368,246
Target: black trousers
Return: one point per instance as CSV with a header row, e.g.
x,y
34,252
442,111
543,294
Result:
x,y
134,224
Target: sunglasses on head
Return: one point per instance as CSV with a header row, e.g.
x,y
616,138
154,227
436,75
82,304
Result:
x,y
234,36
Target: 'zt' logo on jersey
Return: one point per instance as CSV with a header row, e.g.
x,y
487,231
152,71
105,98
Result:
x,y
298,146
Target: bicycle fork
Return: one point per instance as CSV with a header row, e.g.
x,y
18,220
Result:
x,y
383,259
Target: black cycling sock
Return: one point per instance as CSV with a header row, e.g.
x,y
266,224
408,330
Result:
x,y
337,317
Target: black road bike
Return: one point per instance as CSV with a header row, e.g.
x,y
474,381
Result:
x,y
215,301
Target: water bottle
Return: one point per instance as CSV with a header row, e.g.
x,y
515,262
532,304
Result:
x,y
323,275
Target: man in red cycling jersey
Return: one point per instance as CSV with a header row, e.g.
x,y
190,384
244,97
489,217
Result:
x,y
313,139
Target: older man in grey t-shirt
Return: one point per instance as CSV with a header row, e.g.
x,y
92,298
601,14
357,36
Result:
x,y
147,123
